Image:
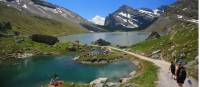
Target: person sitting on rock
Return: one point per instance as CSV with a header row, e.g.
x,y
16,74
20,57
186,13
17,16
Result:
x,y
55,81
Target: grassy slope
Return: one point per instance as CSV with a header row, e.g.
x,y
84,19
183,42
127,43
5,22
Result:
x,y
27,24
9,46
146,76
184,35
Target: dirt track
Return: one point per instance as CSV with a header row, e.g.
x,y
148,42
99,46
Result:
x,y
164,77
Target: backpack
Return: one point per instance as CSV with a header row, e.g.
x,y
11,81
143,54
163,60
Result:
x,y
182,72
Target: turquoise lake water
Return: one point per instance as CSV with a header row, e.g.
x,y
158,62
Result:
x,y
34,71
37,70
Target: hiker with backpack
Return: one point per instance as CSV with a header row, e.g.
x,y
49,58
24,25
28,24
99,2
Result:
x,y
172,68
180,74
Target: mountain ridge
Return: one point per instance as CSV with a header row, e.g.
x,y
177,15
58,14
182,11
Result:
x,y
182,10
48,10
25,25
128,17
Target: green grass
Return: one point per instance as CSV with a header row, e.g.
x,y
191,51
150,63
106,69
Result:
x,y
28,24
184,36
9,46
111,56
146,77
150,45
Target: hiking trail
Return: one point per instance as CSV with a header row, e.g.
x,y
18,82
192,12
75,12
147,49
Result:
x,y
164,75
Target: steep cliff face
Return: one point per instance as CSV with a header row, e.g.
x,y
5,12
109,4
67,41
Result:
x,y
127,17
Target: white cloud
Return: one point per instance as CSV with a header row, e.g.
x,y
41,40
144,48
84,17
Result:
x,y
98,20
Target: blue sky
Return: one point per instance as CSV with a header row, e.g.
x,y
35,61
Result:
x,y
90,8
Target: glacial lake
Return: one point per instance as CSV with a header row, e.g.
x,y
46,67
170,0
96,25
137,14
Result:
x,y
37,70
115,38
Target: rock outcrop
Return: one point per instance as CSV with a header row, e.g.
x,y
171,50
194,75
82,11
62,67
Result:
x,y
102,42
50,40
153,35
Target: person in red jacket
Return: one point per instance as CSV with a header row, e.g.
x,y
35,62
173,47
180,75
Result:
x,y
55,81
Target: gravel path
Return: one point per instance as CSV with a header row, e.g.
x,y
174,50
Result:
x,y
164,77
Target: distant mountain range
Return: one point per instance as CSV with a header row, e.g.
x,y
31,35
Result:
x,y
124,19
129,18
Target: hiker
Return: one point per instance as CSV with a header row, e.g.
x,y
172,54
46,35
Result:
x,y
180,74
54,78
179,62
55,81
172,68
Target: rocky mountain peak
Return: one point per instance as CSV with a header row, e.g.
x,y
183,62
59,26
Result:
x,y
127,17
125,7
146,9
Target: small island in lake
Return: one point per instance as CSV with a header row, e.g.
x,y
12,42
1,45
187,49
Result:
x,y
97,55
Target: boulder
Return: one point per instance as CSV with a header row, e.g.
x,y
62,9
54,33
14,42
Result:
x,y
100,82
50,40
72,49
153,35
102,42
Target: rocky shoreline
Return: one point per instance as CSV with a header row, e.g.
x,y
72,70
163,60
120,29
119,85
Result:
x,y
103,81
131,75
23,55
98,62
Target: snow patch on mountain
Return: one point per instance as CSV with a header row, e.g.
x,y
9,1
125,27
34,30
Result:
x,y
24,6
125,15
124,20
133,24
151,14
157,12
144,11
127,22
179,16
